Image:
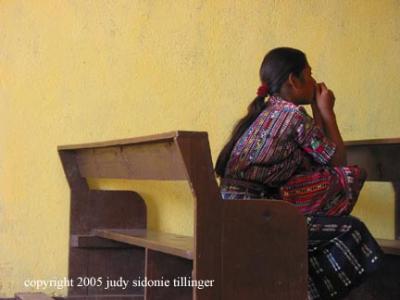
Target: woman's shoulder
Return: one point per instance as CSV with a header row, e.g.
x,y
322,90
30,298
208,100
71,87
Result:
x,y
280,104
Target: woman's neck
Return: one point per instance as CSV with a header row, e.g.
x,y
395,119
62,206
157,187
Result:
x,y
291,98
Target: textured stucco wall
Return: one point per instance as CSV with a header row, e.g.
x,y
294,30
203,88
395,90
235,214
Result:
x,y
80,71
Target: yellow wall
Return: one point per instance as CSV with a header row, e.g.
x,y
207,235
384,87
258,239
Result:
x,y
80,71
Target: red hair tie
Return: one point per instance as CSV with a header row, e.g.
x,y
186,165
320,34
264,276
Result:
x,y
262,90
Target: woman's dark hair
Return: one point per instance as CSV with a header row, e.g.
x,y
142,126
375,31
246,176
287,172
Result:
x,y
275,69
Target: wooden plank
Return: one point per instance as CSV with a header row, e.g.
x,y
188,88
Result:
x,y
373,142
114,209
113,265
396,187
32,296
379,160
208,211
163,137
158,160
79,220
390,246
88,241
102,297
264,248
178,245
78,261
164,268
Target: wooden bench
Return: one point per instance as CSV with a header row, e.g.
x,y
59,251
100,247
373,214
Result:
x,y
381,159
250,249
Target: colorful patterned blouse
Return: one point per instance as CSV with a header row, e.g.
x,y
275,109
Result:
x,y
279,141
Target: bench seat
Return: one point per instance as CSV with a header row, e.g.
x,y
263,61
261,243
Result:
x,y
174,244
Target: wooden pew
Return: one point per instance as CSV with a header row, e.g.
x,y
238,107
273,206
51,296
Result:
x,y
250,249
380,158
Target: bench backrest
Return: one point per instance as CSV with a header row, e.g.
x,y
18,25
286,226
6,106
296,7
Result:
x,y
379,157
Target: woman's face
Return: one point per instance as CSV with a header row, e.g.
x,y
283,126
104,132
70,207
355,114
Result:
x,y
307,87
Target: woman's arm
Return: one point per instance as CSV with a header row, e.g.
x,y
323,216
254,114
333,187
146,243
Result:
x,y
317,116
325,101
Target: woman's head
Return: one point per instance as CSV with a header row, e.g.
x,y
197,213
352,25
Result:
x,y
286,72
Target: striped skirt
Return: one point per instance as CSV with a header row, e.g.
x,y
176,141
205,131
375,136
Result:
x,y
341,253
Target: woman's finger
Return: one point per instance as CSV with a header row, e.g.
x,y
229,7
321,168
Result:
x,y
332,94
319,88
323,85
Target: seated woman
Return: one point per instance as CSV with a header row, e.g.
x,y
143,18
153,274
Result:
x,y
278,151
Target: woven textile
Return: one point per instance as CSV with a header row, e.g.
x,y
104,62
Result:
x,y
341,253
326,191
280,141
284,149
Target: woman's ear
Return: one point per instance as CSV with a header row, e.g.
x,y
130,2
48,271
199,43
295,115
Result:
x,y
294,81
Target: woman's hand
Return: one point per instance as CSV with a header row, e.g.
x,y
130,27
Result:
x,y
325,99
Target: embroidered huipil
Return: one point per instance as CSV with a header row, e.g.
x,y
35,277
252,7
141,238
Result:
x,y
277,143
284,150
